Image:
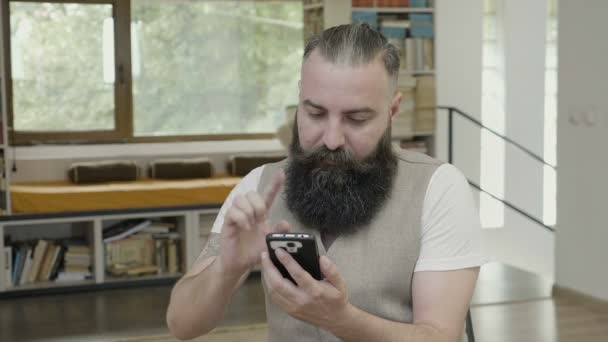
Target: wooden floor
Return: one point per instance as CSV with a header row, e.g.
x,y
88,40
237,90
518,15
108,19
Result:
x,y
509,305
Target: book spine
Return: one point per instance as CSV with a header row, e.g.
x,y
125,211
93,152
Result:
x,y
172,256
8,264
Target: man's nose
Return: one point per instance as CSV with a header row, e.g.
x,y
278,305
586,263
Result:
x,y
334,135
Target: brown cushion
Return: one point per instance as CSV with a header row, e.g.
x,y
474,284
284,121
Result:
x,y
240,166
180,168
104,171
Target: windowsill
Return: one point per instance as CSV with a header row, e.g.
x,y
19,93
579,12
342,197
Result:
x,y
45,152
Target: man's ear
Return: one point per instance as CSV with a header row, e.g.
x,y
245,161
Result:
x,y
395,104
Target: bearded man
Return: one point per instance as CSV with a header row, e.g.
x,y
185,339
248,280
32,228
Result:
x,y
396,230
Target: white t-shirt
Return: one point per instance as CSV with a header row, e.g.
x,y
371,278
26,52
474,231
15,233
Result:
x,y
450,222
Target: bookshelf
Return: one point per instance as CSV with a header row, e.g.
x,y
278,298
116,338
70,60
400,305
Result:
x,y
409,25
319,14
188,228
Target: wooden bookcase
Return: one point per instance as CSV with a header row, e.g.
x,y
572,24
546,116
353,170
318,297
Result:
x,y
193,223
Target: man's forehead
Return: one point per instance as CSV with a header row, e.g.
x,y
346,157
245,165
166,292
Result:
x,y
317,61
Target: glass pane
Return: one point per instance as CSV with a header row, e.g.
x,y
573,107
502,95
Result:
x,y
214,67
57,67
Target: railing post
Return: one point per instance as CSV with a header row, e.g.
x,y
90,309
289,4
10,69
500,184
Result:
x,y
450,132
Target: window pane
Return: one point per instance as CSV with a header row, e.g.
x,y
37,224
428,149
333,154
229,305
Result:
x,y
57,67
214,67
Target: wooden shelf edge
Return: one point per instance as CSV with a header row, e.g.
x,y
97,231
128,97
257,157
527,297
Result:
x,y
113,279
49,285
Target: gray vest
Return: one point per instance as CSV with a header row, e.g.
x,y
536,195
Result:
x,y
377,263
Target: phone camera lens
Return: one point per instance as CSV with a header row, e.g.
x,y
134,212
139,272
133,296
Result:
x,y
291,244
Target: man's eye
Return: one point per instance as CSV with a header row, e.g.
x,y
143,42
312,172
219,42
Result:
x,y
315,115
356,120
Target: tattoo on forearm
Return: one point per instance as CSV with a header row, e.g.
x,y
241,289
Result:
x,y
212,248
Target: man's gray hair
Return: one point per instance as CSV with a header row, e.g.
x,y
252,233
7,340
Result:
x,y
355,44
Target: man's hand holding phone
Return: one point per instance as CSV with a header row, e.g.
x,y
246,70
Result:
x,y
323,303
246,226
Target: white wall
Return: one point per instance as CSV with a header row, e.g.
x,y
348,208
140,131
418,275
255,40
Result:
x,y
582,184
458,70
525,31
459,83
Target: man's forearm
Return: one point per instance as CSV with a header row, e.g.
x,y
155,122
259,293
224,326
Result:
x,y
358,325
198,302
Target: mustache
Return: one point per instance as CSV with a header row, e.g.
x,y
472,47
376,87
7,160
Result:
x,y
340,159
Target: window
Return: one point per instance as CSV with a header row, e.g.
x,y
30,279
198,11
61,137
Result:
x,y
140,70
495,104
56,53
550,133
492,171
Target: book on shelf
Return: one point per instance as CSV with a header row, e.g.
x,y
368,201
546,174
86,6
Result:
x,y
403,124
395,34
15,264
132,250
39,251
140,253
76,263
391,3
65,276
50,259
421,25
388,23
158,227
418,54
76,269
43,260
58,263
172,265
19,260
121,270
8,264
362,3
27,265
406,80
420,3
124,229
369,17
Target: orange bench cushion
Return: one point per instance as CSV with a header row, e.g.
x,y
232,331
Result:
x,y
51,197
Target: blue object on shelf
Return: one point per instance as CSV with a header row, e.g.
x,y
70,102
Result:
x,y
371,18
421,25
394,32
419,3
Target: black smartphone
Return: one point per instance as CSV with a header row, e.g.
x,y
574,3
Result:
x,y
301,246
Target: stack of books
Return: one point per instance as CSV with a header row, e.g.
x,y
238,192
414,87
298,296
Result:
x,y
45,260
140,247
403,125
425,104
77,263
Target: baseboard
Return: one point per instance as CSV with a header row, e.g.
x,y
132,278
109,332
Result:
x,y
584,299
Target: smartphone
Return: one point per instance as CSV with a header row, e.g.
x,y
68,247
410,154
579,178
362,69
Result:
x,y
301,246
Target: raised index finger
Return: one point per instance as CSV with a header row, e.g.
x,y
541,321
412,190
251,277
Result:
x,y
277,181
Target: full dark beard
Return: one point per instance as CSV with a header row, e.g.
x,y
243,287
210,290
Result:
x,y
333,192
